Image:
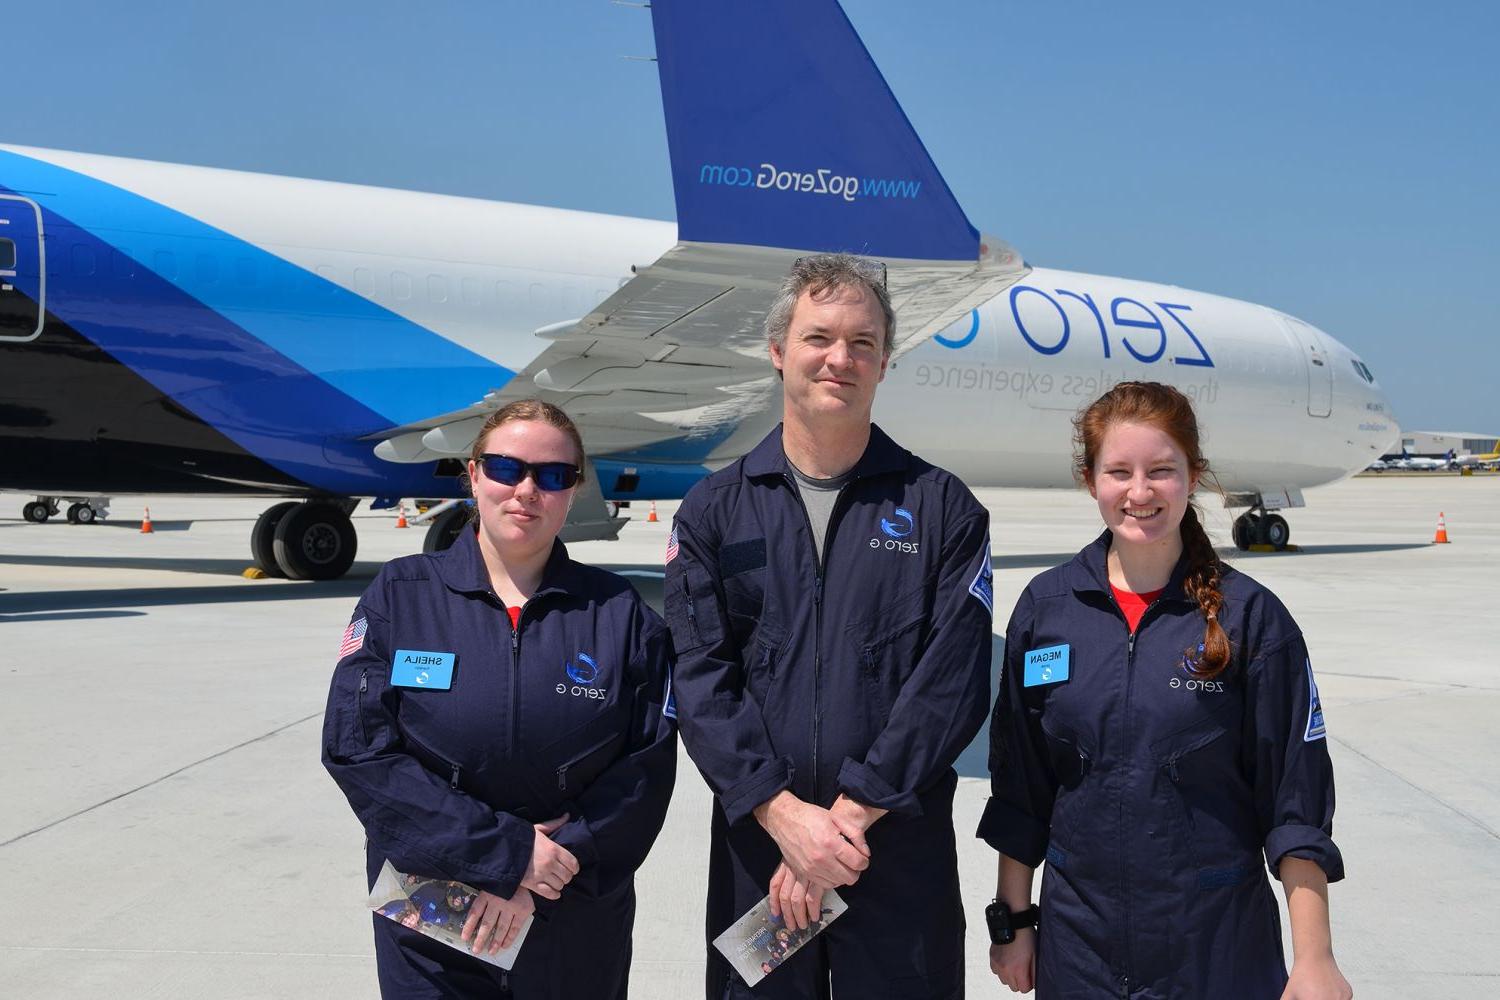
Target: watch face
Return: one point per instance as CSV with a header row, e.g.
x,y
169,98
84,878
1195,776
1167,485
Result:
x,y
997,917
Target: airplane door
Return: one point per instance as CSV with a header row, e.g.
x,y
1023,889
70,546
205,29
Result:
x,y
23,274
1319,370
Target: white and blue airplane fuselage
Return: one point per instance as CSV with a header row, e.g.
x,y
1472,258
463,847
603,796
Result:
x,y
169,328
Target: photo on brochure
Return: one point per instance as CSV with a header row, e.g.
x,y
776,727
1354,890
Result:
x,y
437,908
757,943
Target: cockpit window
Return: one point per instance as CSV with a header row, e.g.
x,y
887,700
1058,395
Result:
x,y
1363,371
7,255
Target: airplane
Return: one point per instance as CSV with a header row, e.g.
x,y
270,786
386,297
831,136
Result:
x,y
182,329
1478,461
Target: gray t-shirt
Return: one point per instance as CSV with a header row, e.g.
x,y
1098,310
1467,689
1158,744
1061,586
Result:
x,y
818,496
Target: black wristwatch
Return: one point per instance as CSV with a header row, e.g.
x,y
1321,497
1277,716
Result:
x,y
1004,924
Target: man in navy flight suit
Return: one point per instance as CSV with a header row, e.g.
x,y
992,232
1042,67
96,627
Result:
x,y
829,597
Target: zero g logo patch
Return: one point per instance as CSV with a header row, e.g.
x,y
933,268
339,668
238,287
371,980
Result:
x,y
583,672
1190,662
896,529
900,526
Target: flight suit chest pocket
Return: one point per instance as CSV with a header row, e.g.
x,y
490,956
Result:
x,y
763,662
581,756
1071,760
441,763
742,569
1207,798
888,646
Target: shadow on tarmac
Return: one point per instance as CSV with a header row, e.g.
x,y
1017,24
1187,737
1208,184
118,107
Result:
x,y
1334,550
217,567
146,597
114,522
68,616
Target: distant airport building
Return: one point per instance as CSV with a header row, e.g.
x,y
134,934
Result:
x,y
1438,444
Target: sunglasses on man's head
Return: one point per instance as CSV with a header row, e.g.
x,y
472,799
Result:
x,y
549,476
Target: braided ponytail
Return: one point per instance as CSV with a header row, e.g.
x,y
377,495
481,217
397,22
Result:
x,y
1201,581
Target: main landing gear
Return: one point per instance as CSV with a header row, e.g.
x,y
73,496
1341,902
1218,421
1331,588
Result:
x,y
312,540
1263,528
82,510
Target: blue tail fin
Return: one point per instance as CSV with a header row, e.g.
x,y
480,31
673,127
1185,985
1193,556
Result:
x,y
783,133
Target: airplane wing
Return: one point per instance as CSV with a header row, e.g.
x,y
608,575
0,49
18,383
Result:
x,y
680,348
777,150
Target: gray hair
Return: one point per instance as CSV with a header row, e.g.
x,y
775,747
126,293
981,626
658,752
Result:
x,y
818,273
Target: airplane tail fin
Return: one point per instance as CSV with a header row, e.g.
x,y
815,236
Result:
x,y
783,133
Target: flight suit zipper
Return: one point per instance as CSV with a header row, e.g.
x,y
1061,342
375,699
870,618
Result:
x,y
1126,931
821,562
515,667
515,682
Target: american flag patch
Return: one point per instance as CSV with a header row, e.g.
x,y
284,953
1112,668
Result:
x,y
672,544
354,637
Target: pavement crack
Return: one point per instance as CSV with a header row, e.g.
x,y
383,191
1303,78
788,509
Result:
x,y
1415,787
156,781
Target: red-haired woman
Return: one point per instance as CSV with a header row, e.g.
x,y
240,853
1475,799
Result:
x,y
1156,732
501,716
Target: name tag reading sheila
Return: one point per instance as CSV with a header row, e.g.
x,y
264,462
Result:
x,y
417,668
1048,665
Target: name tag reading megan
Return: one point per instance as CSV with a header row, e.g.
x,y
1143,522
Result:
x,y
1048,665
416,668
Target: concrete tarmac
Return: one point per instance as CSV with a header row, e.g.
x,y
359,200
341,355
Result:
x,y
168,831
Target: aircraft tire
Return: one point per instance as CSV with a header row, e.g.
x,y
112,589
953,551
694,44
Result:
x,y
36,512
263,538
82,513
315,541
1245,528
1276,531
445,529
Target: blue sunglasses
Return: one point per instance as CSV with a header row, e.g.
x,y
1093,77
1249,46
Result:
x,y
549,476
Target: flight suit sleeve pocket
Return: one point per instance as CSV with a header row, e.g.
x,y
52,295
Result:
x,y
692,609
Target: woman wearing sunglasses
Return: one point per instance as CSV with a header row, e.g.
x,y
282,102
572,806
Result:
x,y
501,716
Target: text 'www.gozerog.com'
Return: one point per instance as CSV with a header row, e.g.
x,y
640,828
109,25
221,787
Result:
x,y
820,180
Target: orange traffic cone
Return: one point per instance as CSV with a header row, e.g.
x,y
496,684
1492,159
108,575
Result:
x,y
146,528
401,516
1441,538
651,518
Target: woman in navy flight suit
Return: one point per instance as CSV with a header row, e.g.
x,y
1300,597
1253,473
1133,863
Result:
x,y
500,716
1156,731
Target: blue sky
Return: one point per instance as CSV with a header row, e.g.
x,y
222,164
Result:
x,y
1336,160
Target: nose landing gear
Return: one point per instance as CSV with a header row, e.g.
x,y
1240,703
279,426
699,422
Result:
x,y
1263,528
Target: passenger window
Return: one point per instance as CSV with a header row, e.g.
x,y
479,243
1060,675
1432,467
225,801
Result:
x,y
7,255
